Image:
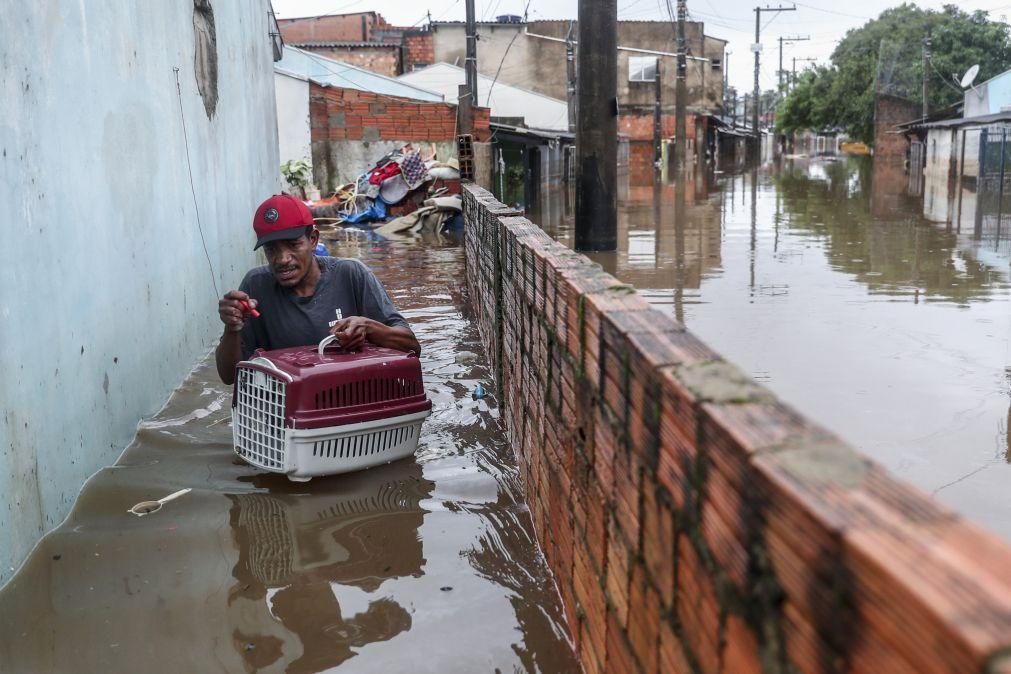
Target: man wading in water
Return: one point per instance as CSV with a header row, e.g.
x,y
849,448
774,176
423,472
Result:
x,y
302,298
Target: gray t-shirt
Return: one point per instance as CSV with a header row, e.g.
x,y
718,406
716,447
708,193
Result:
x,y
346,288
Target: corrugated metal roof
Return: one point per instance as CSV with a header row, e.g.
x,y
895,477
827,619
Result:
x,y
981,120
333,73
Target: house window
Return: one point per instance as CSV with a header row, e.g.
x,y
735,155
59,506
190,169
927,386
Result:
x,y
716,63
641,68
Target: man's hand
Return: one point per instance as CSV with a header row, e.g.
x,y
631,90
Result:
x,y
352,331
232,312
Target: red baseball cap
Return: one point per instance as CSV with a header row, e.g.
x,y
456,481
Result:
x,y
280,217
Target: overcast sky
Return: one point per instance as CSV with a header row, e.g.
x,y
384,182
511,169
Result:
x,y
825,22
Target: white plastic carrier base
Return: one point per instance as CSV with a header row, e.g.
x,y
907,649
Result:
x,y
311,452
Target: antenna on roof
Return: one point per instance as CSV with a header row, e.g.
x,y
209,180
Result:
x,y
969,77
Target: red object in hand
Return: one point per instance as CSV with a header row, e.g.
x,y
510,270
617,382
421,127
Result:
x,y
252,312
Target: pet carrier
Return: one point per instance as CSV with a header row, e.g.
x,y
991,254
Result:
x,y
309,411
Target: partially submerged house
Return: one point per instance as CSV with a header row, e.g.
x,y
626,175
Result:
x,y
964,147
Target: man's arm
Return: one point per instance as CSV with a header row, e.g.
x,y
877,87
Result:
x,y
355,330
229,351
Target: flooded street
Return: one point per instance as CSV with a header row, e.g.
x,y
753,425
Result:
x,y
425,565
826,283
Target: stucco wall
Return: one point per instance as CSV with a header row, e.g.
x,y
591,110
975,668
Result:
x,y
106,298
293,138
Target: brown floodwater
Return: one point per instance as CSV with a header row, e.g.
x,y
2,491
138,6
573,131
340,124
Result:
x,y
824,280
428,564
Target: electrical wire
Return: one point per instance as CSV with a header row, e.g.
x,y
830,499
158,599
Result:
x,y
193,190
506,53
832,11
337,11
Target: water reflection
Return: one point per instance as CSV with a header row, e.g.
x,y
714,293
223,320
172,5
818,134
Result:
x,y
315,562
825,279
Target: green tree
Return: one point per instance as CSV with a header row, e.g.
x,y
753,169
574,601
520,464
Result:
x,y
885,54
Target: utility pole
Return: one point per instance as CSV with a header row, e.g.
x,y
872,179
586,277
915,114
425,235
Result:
x,y
793,76
657,118
926,67
470,63
597,127
757,48
570,72
681,91
782,41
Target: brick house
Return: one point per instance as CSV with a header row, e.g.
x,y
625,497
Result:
x,y
363,39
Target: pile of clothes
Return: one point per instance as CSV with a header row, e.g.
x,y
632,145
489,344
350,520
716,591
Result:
x,y
394,186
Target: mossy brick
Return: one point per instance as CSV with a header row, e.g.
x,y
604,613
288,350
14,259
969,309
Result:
x,y
740,648
727,526
697,607
595,533
643,619
590,595
627,497
619,560
658,552
620,659
592,653
672,656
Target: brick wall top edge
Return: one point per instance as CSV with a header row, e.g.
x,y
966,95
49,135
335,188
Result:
x,y
907,558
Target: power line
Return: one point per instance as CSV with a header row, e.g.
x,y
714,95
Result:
x,y
506,53
832,11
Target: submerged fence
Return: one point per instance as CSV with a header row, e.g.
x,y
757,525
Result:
x,y
692,521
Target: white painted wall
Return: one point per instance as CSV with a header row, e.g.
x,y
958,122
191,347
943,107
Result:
x,y
293,128
539,111
106,298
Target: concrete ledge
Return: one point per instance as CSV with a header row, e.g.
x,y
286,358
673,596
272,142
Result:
x,y
692,521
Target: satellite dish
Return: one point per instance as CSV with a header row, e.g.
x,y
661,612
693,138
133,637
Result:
x,y
969,77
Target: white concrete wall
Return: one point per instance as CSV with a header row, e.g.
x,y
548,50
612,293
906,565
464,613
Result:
x,y
293,135
106,298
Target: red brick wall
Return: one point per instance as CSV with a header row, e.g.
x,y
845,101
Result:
x,y
889,111
694,523
418,48
338,28
639,126
382,60
349,114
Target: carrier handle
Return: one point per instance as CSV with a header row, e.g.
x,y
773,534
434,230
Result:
x,y
325,342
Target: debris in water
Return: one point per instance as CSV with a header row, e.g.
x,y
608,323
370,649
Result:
x,y
148,507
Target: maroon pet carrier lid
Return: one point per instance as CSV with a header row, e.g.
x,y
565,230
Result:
x,y
334,387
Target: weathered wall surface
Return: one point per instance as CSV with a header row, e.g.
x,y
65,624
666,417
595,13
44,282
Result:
x,y
693,522
293,138
888,111
105,293
382,59
332,28
352,129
